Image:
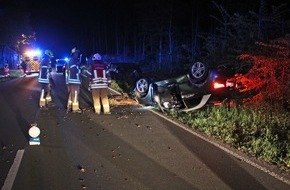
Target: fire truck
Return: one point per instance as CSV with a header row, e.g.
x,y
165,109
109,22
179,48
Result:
x,y
31,61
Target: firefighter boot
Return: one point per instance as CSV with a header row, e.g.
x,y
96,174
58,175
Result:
x,y
75,104
42,101
106,109
69,106
75,107
97,109
48,97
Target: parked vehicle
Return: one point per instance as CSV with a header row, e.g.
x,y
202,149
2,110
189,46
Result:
x,y
129,72
201,86
64,69
59,65
31,61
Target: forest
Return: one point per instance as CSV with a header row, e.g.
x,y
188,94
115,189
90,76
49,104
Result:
x,y
167,36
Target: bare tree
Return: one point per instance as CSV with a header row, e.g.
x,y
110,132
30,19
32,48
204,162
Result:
x,y
261,14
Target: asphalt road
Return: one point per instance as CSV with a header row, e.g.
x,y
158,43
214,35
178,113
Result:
x,y
131,149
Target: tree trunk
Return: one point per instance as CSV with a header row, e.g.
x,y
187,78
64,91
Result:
x,y
193,36
117,37
143,47
170,41
135,46
160,53
261,14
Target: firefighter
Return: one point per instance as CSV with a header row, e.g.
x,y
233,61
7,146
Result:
x,y
100,81
23,66
73,81
44,78
6,69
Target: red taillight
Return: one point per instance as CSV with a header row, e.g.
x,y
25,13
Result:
x,y
230,84
217,103
217,85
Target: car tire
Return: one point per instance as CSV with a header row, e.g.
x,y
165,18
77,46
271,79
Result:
x,y
142,86
199,72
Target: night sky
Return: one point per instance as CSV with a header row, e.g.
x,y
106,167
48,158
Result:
x,y
58,23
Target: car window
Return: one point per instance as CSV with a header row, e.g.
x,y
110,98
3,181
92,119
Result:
x,y
61,62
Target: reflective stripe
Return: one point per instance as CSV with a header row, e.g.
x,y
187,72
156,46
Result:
x,y
100,80
43,80
76,76
76,97
72,66
98,85
73,81
96,74
44,75
104,74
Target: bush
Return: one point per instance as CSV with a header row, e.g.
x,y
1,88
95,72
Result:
x,y
15,73
267,82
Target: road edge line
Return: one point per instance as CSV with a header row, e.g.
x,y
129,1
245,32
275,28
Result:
x,y
273,174
13,171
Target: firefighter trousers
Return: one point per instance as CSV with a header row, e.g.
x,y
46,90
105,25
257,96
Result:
x,y
73,97
101,101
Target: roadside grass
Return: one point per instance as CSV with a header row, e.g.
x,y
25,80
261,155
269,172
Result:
x,y
116,86
12,74
3,79
15,73
262,134
124,99
122,86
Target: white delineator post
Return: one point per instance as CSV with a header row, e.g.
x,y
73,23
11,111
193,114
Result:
x,y
34,133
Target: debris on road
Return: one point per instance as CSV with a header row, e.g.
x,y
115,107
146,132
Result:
x,y
81,168
121,100
123,116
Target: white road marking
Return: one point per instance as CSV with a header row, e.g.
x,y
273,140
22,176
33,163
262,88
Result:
x,y
273,174
30,75
13,171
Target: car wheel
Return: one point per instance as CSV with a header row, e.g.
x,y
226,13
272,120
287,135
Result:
x,y
142,86
199,72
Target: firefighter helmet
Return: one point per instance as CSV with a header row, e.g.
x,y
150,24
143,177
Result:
x,y
97,57
75,50
48,53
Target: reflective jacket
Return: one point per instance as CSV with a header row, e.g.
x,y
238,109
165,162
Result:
x,y
73,72
44,73
100,77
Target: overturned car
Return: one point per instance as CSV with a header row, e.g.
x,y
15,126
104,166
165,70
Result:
x,y
201,86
